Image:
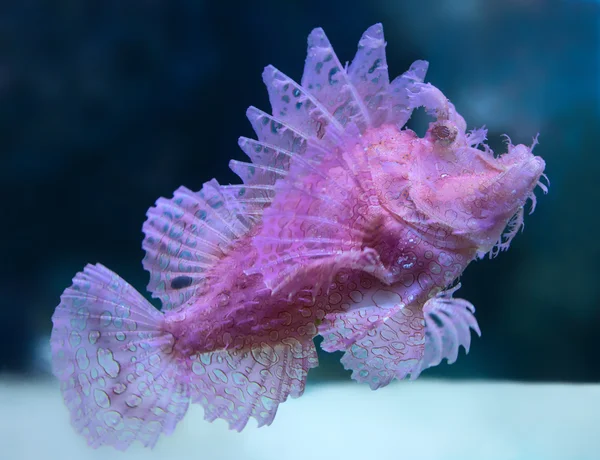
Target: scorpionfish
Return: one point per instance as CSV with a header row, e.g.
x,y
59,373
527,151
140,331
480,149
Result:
x,y
347,225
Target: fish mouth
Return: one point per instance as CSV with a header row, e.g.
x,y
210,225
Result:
x,y
521,175
531,174
539,176
534,166
511,190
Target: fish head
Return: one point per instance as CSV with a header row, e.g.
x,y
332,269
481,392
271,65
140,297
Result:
x,y
457,183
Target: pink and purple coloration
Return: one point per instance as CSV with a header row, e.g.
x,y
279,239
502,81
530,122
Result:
x,y
346,225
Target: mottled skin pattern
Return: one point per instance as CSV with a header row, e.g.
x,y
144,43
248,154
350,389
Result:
x,y
346,225
427,207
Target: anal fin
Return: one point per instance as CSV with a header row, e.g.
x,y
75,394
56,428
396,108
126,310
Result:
x,y
239,384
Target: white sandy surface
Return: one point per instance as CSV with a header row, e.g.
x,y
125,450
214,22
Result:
x,y
423,420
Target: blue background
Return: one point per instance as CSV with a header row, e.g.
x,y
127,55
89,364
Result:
x,y
105,105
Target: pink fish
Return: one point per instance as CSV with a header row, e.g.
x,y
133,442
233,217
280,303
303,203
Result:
x,y
347,226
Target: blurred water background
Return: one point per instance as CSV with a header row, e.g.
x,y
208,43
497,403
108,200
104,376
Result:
x,y
105,105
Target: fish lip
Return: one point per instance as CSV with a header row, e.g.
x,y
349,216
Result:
x,y
531,167
536,165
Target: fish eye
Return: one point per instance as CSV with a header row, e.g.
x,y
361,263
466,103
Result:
x,y
444,132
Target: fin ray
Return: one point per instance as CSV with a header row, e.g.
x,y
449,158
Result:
x,y
120,382
382,337
236,385
270,130
296,106
368,73
400,91
252,173
448,326
329,83
186,236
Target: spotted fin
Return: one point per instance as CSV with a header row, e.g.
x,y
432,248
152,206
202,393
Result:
x,y
331,103
297,106
115,365
400,92
186,235
298,149
317,218
335,87
361,93
239,384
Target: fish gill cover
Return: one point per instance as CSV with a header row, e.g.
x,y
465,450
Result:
x,y
347,225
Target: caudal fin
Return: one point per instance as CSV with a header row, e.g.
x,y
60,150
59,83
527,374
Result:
x,y
115,364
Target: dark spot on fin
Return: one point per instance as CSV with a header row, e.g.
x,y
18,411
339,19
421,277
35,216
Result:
x,y
320,130
438,322
181,282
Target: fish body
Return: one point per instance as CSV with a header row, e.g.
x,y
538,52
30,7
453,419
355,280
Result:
x,y
406,215
347,225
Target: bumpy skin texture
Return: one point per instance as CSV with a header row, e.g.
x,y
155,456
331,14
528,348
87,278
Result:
x,y
346,225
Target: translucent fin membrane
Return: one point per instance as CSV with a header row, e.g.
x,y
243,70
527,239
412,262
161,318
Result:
x,y
236,385
317,215
448,324
382,337
115,364
186,236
